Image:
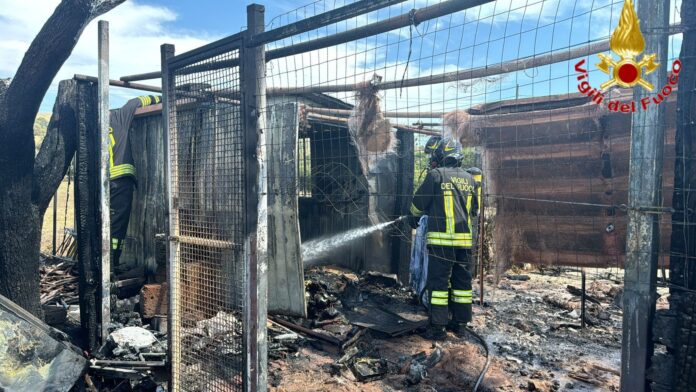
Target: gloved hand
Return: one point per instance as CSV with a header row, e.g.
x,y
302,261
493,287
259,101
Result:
x,y
413,221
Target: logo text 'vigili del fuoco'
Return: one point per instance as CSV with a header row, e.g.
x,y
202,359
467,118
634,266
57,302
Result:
x,y
628,43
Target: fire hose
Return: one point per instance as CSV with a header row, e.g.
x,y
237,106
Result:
x,y
480,339
484,343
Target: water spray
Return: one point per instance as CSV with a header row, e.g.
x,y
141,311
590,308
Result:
x,y
321,247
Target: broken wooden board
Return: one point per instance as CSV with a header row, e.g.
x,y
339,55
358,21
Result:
x,y
286,290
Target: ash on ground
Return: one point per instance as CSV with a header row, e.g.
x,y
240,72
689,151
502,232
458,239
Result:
x,y
530,320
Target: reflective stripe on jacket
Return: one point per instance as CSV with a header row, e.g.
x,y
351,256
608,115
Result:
x,y
448,196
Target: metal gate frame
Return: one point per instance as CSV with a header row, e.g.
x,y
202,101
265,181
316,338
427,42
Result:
x,y
251,63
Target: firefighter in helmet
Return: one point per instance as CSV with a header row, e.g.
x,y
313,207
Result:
x,y
448,196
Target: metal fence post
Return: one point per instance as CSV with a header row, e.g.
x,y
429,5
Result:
x,y
253,74
169,123
103,109
645,190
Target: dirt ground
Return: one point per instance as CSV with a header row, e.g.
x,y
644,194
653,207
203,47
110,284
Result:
x,y
533,330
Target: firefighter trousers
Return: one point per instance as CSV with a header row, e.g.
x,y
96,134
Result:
x,y
121,199
449,284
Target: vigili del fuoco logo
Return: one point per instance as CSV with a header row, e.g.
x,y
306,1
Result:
x,y
628,72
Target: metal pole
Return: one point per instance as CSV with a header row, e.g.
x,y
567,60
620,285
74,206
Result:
x,y
253,78
415,16
103,109
118,83
645,190
324,19
55,220
582,298
171,218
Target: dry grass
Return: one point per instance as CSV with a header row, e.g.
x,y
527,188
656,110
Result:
x,y
65,217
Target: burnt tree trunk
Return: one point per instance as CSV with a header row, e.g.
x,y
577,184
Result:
x,y
26,183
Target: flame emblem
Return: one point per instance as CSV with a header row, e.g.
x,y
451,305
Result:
x,y
627,41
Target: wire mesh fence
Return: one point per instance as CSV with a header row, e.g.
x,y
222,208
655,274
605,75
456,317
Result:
x,y
350,106
207,184
499,76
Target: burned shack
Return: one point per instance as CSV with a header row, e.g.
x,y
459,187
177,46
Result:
x,y
332,193
557,179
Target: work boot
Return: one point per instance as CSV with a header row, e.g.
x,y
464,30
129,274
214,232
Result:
x,y
459,329
435,332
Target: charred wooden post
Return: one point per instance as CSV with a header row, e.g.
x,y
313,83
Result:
x,y
105,142
253,77
645,190
87,210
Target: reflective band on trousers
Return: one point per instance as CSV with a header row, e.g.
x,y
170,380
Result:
x,y
439,297
115,243
461,296
121,170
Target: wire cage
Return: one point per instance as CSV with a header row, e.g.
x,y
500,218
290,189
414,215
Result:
x,y
208,164
351,101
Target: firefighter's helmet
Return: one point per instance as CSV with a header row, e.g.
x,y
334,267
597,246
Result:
x,y
432,144
448,153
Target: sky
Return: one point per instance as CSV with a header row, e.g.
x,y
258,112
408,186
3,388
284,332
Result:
x,y
486,35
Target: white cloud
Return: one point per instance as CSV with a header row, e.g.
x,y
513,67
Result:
x,y
136,33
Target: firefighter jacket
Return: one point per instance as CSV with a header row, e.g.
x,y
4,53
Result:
x,y
448,196
121,162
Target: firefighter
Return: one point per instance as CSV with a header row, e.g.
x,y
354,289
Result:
x,y
448,197
122,171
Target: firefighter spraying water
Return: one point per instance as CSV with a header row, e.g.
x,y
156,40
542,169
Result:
x,y
449,197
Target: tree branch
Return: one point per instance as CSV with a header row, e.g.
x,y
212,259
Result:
x,y
58,147
42,61
103,6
